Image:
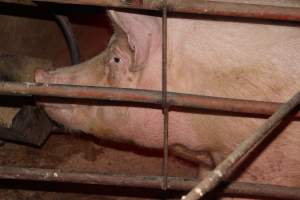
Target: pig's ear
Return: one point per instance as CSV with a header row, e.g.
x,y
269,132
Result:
x,y
143,31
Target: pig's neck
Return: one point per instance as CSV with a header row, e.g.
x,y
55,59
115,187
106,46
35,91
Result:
x,y
150,76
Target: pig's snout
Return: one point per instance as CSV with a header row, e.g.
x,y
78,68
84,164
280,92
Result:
x,y
40,75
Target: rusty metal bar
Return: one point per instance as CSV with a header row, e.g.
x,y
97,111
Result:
x,y
216,176
152,182
164,95
141,96
212,7
283,11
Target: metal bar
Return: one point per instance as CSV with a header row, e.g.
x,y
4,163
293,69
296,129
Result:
x,y
67,30
213,7
13,135
22,2
216,176
164,95
284,11
152,182
263,191
141,96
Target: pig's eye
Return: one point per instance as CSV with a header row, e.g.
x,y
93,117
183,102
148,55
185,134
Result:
x,y
116,59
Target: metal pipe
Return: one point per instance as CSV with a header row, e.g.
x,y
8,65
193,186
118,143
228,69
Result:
x,y
260,11
216,176
141,96
152,182
66,28
164,96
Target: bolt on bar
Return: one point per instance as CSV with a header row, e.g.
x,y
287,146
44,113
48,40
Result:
x,y
152,182
216,176
220,8
141,96
164,95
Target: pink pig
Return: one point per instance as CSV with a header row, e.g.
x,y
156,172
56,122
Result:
x,y
236,59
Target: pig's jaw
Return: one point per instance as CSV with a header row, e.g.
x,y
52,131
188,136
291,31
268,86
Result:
x,y
63,114
48,106
58,113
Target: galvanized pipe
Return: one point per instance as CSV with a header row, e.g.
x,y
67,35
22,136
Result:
x,y
152,182
212,7
141,96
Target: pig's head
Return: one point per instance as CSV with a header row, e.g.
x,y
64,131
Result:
x,y
132,60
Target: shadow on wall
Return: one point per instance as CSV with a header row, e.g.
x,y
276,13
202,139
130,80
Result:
x,y
32,31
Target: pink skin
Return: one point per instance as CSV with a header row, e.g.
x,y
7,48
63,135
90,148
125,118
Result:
x,y
213,61
128,62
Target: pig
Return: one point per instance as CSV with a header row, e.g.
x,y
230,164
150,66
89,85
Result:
x,y
232,58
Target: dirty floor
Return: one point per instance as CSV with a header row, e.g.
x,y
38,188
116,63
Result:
x,y
86,154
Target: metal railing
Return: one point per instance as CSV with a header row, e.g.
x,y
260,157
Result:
x,y
164,99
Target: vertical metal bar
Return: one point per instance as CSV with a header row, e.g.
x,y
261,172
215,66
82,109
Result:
x,y
164,95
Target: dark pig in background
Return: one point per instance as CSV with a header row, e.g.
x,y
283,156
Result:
x,y
236,59
16,68
20,121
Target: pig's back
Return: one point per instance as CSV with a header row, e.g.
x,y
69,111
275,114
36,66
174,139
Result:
x,y
239,60
235,59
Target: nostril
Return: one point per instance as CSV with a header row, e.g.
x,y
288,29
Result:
x,y
40,75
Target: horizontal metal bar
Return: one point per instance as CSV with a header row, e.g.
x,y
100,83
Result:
x,y
213,7
22,2
152,182
141,96
263,10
